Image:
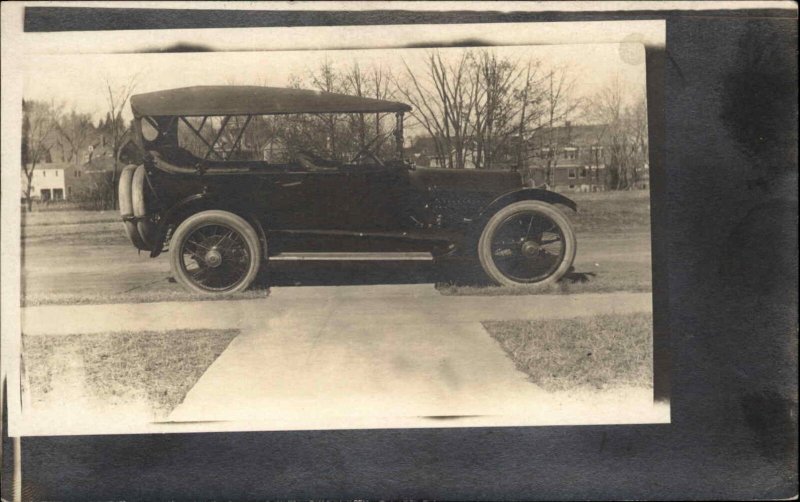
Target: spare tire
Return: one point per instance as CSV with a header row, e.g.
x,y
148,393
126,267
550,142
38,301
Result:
x,y
126,207
138,198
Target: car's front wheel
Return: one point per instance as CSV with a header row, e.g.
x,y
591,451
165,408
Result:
x,y
527,243
215,252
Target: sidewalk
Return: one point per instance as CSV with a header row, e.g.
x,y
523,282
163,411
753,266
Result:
x,y
364,356
394,304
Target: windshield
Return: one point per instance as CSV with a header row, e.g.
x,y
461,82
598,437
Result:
x,y
330,138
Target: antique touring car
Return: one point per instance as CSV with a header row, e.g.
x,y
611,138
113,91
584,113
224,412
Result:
x,y
213,191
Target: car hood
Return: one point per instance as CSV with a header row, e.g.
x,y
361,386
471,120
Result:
x,y
467,180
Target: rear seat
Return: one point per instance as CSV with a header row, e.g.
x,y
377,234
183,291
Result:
x,y
182,161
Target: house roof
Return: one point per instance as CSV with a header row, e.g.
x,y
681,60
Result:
x,y
253,100
99,150
100,164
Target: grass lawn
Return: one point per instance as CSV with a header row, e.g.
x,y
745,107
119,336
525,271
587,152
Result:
x,y
116,368
599,352
69,217
610,212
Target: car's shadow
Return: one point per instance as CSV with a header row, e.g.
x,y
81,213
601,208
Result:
x,y
573,277
351,273
344,273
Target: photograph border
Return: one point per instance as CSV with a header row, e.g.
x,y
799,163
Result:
x,y
651,34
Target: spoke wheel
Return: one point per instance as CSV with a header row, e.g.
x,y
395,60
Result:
x,y
528,242
215,252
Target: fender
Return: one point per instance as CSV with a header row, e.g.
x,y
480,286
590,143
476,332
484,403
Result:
x,y
201,202
475,225
524,194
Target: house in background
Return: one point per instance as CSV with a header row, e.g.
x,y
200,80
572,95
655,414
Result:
x,y
47,182
423,153
57,181
99,147
563,158
568,158
644,178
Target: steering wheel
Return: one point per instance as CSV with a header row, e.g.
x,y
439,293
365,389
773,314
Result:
x,y
366,152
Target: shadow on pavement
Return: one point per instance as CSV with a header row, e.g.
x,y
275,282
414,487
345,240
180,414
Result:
x,y
351,273
331,273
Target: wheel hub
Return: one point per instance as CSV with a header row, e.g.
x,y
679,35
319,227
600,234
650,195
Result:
x,y
530,248
213,258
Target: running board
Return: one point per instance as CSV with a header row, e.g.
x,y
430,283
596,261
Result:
x,y
388,256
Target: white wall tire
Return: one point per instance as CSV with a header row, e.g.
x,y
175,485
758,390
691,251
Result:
x,y
215,252
528,243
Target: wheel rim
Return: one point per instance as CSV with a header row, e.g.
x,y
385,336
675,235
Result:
x,y
528,247
215,257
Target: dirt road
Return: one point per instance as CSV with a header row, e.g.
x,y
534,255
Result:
x,y
54,267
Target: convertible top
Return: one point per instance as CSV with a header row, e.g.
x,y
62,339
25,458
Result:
x,y
202,101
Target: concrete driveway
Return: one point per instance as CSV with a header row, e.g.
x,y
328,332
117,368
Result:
x,y
362,356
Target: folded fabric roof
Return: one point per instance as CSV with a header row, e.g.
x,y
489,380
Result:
x,y
253,100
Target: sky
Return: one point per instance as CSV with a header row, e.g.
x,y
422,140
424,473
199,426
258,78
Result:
x,y
78,81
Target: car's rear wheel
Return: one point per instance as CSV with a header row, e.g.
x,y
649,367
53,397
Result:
x,y
527,243
215,252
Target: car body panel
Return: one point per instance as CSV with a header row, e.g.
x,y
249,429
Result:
x,y
389,208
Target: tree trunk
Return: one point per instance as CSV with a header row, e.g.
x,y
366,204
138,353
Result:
x,y
29,176
114,185
362,131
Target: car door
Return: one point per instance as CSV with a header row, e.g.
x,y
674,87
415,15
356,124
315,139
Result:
x,y
343,199
375,200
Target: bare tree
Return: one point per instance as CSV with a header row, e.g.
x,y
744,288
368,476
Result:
x,y
443,103
116,98
624,132
326,79
379,80
559,104
529,97
74,130
356,83
497,105
39,121
636,118
339,136
370,82
486,108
